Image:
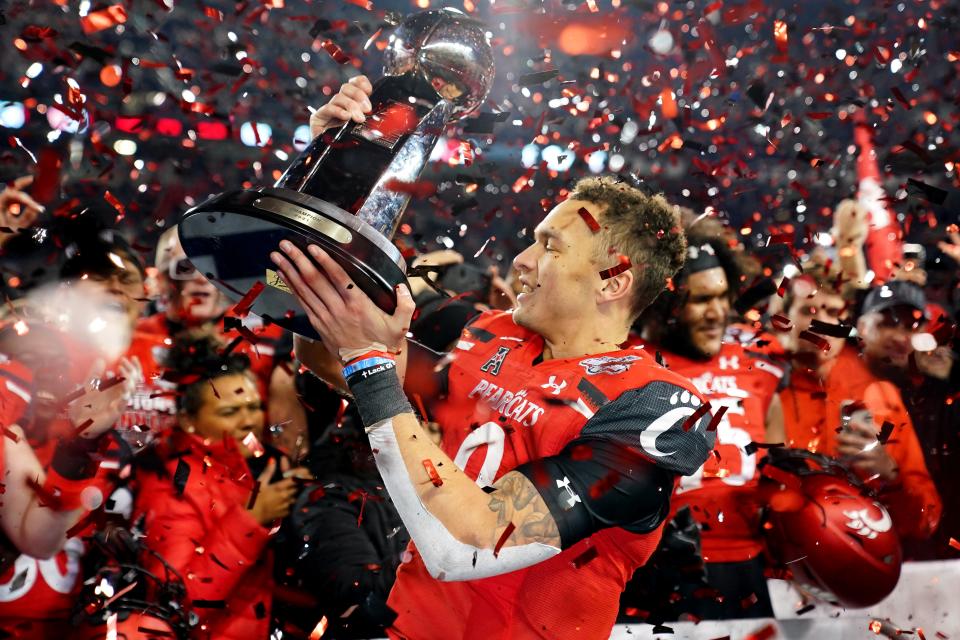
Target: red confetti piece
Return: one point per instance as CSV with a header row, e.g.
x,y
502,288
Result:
x,y
319,630
363,4
780,35
668,104
116,204
817,341
243,306
44,498
335,52
715,420
781,323
103,19
589,219
418,189
432,472
585,557
802,190
696,415
251,442
604,484
612,272
46,182
955,543
782,289
83,426
503,538
764,633
9,434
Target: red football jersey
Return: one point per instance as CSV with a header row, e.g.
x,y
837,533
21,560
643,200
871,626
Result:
x,y
722,494
503,408
153,404
35,595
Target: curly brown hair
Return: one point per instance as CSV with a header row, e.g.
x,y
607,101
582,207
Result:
x,y
644,228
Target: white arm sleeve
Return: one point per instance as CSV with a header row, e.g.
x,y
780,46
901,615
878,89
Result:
x,y
445,557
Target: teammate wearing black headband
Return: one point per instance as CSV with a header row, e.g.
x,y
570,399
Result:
x,y
689,325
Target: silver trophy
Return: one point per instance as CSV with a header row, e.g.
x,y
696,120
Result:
x,y
337,194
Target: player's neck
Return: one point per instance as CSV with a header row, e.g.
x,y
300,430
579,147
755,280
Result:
x,y
584,339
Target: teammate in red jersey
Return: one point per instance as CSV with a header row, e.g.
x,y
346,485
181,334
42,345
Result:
x,y
191,302
571,444
688,325
54,466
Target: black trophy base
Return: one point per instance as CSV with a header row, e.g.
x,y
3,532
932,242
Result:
x,y
229,239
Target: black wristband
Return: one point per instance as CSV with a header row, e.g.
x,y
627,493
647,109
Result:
x,y
378,394
72,459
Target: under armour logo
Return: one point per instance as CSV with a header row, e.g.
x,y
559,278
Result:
x,y
552,384
733,362
572,498
492,366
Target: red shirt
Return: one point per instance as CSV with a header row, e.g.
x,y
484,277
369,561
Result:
x,y
207,535
503,410
722,495
811,412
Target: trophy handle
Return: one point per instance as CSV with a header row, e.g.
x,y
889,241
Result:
x,y
384,207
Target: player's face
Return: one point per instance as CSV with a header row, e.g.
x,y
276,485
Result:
x,y
822,306
936,363
705,313
237,411
193,299
558,275
196,301
887,335
127,288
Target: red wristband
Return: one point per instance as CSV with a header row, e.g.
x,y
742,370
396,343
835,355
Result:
x,y
370,354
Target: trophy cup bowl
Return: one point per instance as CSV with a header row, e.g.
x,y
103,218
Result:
x,y
336,194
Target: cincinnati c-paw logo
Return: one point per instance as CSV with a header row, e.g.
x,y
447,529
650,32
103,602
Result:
x,y
867,526
677,415
608,364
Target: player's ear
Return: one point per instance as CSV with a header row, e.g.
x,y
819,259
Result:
x,y
617,287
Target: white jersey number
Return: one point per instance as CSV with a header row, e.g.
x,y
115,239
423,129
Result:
x,y
492,435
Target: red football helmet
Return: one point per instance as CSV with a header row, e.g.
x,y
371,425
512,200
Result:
x,y
821,523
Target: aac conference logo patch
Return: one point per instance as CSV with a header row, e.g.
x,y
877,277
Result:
x,y
608,364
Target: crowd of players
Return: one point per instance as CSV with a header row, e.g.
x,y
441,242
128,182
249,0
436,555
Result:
x,y
195,475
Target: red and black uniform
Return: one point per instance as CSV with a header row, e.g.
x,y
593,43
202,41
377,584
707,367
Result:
x,y
722,495
197,520
577,428
36,596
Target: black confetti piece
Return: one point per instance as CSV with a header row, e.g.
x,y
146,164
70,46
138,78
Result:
x,y
885,430
539,77
180,476
829,329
